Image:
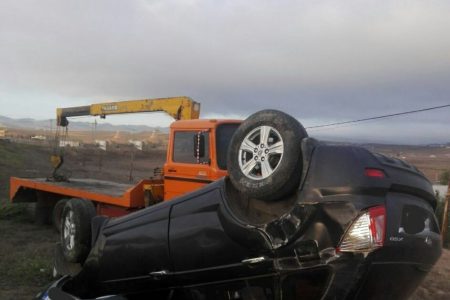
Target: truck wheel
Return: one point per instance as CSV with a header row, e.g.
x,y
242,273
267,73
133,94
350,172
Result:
x,y
264,157
57,214
76,229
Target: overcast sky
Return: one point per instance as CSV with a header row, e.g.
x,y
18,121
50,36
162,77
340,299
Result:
x,y
321,61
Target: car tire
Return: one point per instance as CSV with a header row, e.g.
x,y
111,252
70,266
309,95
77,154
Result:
x,y
264,158
57,214
76,229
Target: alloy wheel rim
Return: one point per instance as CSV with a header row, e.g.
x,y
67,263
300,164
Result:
x,y
261,152
69,231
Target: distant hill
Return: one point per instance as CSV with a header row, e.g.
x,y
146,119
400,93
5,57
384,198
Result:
x,y
28,123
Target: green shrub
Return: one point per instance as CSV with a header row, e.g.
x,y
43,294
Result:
x,y
444,178
440,214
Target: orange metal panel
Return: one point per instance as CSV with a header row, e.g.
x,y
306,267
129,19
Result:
x,y
113,211
174,187
181,178
13,187
133,197
201,123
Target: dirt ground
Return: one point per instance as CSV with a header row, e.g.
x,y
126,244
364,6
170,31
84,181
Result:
x,y
437,283
26,250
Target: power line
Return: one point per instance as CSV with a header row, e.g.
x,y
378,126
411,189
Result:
x,y
380,117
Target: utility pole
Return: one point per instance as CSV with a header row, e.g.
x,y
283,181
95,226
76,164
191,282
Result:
x,y
130,178
444,227
94,131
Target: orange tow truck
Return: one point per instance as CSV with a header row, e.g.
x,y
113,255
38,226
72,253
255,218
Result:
x,y
196,156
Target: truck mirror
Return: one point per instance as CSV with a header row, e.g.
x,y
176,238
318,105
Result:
x,y
199,145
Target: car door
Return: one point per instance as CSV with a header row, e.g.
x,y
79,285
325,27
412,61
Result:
x,y
136,251
207,244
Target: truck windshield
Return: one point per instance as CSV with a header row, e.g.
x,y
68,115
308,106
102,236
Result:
x,y
224,133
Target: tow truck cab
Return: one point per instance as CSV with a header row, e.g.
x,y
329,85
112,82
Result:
x,y
196,154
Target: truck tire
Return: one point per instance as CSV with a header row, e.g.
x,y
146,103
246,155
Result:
x,y
57,214
76,229
264,158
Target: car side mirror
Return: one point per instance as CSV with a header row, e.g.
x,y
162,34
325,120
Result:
x,y
199,145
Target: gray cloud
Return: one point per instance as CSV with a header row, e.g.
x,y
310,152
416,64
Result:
x,y
322,61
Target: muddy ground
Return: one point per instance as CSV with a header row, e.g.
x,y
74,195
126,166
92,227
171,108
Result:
x,y
26,250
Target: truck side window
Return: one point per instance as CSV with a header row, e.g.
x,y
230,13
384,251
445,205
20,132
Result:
x,y
183,148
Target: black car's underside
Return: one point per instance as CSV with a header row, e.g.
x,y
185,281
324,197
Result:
x,y
217,243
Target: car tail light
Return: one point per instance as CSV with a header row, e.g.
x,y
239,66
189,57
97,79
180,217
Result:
x,y
376,173
366,233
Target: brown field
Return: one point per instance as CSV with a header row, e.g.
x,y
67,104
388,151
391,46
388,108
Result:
x,y
154,140
432,161
26,249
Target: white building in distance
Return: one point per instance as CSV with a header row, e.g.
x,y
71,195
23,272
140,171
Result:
x,y
101,144
137,144
69,144
39,137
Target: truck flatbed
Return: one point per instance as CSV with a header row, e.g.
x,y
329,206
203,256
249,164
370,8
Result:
x,y
107,192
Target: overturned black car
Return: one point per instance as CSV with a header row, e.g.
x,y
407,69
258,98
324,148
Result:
x,y
295,219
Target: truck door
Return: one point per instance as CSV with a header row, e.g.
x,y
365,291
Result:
x,y
186,170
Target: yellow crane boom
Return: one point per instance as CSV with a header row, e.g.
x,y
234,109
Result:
x,y
180,108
